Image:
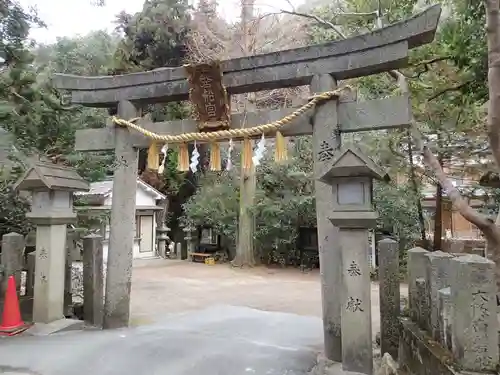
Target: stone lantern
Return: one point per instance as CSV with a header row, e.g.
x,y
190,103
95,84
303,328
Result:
x,y
189,231
52,188
351,174
163,238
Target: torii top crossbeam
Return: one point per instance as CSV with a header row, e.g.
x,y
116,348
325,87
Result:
x,y
375,52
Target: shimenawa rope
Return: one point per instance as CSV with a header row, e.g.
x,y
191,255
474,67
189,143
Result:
x,y
232,133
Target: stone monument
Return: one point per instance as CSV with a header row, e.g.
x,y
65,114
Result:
x,y
389,296
52,188
351,175
475,321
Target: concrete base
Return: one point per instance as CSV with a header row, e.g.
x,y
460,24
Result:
x,y
382,366
327,367
57,326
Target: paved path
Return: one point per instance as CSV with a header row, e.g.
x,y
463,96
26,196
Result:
x,y
193,319
160,287
220,340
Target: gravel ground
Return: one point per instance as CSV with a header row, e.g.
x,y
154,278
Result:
x,y
161,287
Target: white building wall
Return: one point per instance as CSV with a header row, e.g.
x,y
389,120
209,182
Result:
x,y
142,199
105,247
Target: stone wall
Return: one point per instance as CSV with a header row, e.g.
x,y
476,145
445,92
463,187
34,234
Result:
x,y
451,324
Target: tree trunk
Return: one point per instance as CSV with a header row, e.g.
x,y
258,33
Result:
x,y
438,215
162,214
416,190
246,222
438,220
245,255
492,252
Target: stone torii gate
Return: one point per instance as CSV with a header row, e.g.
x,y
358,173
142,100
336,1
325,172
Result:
x,y
319,66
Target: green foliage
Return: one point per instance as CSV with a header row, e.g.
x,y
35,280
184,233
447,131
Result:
x,y
215,203
397,209
171,176
32,112
14,28
13,207
13,211
15,24
31,109
24,100
154,37
284,198
285,201
463,37
91,54
90,219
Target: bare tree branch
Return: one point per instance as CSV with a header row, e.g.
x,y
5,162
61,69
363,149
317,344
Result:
x,y
448,89
317,19
433,60
471,215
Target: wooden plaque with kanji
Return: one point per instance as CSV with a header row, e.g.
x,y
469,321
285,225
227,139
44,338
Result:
x,y
208,96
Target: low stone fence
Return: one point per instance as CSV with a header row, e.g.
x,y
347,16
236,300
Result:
x,y
451,324
82,253
458,245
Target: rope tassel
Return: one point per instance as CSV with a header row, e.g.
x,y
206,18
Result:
x,y
215,160
183,158
246,155
281,151
153,157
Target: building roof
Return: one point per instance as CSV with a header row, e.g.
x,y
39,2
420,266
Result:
x,y
105,188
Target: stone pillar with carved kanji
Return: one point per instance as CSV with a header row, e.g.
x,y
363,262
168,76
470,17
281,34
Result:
x,y
51,186
350,173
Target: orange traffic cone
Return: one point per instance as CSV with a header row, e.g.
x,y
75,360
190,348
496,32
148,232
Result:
x,y
12,323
